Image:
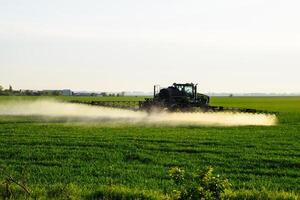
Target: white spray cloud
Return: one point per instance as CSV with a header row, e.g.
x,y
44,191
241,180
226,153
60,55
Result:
x,y
85,113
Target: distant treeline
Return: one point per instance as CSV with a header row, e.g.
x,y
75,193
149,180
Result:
x,y
11,92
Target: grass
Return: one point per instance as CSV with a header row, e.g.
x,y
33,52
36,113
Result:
x,y
276,104
95,159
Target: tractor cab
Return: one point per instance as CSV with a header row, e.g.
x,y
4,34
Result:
x,y
188,89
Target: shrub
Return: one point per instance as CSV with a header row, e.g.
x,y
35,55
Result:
x,y
203,185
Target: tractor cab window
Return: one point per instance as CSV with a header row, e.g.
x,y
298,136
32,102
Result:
x,y
189,90
186,89
180,88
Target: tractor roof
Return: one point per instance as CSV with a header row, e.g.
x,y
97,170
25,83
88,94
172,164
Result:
x,y
183,84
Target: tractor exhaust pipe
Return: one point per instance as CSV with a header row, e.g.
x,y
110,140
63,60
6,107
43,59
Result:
x,y
195,95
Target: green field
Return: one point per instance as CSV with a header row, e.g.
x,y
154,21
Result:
x,y
62,160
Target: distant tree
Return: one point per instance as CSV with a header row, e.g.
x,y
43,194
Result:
x,y
27,92
103,94
10,88
56,93
39,93
1,90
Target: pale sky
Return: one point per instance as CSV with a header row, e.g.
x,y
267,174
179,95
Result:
x,y
130,45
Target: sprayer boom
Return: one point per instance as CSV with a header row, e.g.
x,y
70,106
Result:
x,y
176,98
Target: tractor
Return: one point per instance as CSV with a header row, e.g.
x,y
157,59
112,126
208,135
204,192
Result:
x,y
178,97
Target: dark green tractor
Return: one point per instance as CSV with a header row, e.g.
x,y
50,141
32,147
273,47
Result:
x,y
182,97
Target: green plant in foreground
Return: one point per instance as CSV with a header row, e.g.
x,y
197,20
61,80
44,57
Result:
x,y
203,185
11,187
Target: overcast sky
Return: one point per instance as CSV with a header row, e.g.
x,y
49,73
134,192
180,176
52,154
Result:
x,y
116,45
